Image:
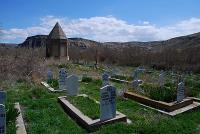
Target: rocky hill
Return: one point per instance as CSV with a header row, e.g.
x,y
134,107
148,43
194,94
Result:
x,y
181,43
40,41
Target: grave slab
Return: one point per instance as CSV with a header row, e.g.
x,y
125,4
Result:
x,y
19,121
172,108
83,120
50,88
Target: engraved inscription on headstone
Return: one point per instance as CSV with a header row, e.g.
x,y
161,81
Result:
x,y
180,92
105,79
2,97
107,102
49,75
62,79
72,85
2,119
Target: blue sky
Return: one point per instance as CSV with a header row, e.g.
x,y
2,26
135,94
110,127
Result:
x,y
102,20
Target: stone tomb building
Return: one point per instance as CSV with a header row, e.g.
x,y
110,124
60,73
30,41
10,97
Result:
x,y
57,42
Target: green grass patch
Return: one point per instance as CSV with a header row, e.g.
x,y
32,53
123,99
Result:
x,y
86,105
53,83
167,93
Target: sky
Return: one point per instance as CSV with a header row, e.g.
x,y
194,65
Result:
x,y
100,20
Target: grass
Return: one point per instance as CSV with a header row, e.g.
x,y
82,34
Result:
x,y
11,115
43,115
86,105
53,83
166,93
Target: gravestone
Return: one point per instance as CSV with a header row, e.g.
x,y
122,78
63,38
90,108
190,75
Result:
x,y
49,75
181,92
141,69
135,75
2,97
107,102
115,72
2,119
105,79
161,80
62,79
136,86
72,85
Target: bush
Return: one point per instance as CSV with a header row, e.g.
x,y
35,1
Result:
x,y
192,87
86,79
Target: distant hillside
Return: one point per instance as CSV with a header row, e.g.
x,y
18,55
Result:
x,y
182,43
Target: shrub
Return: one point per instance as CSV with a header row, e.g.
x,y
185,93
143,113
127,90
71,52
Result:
x,y
86,79
192,87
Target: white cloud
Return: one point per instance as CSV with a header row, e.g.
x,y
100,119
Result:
x,y
106,28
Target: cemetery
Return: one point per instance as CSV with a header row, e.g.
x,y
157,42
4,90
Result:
x,y
76,98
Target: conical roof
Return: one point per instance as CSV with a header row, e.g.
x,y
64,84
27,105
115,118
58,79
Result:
x,y
57,32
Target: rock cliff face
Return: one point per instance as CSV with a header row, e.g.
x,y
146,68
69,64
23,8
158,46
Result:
x,y
40,41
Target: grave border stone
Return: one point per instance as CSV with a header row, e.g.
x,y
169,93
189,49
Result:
x,y
83,120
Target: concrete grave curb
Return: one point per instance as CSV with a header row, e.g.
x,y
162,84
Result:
x,y
171,109
50,88
83,120
19,121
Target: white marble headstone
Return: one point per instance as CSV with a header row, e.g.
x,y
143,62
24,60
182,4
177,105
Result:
x,y
2,97
181,92
135,75
2,119
105,79
72,85
107,102
49,75
161,80
62,79
141,69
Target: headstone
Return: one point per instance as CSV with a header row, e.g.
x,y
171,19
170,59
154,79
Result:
x,y
136,86
161,80
121,92
2,119
2,97
72,85
135,75
107,102
114,72
49,75
181,92
105,79
62,79
141,69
